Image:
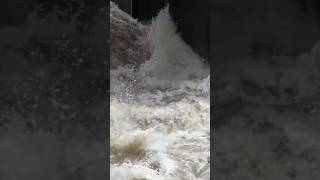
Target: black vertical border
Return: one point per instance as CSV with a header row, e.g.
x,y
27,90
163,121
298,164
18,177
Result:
x,y
108,88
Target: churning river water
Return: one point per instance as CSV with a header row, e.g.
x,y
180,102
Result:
x,y
160,111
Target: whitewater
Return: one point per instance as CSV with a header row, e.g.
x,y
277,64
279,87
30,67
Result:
x,y
160,108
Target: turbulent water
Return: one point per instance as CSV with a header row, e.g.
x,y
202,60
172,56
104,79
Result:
x,y
160,111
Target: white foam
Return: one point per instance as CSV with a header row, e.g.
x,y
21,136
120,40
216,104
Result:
x,y
167,102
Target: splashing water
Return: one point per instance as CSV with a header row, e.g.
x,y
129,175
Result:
x,y
160,112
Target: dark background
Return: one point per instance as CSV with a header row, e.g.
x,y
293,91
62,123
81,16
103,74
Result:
x,y
125,5
265,89
53,89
